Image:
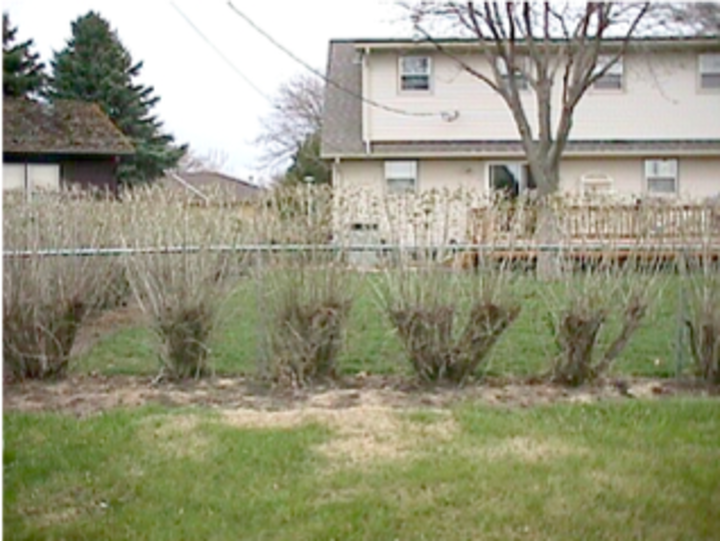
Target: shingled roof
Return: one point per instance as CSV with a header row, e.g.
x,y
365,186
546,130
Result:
x,y
206,184
515,148
342,118
63,127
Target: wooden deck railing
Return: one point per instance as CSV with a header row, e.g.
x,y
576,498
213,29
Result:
x,y
659,223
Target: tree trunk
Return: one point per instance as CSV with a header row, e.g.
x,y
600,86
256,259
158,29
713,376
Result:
x,y
548,231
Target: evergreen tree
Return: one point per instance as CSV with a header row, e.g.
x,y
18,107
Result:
x,y
94,66
22,73
306,162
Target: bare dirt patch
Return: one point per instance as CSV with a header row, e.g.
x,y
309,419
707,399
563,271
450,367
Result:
x,y
371,417
83,395
367,425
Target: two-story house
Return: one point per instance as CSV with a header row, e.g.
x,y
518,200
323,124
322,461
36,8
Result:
x,y
404,116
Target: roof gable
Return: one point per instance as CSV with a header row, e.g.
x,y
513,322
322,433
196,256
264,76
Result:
x,y
342,114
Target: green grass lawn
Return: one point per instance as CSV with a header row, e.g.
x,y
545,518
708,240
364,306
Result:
x,y
372,346
616,470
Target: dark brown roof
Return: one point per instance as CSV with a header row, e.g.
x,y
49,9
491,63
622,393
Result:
x,y
63,127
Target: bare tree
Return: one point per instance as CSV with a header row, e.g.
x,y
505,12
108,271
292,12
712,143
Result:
x,y
296,117
537,45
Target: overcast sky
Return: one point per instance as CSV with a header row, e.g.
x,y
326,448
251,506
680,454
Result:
x,y
203,101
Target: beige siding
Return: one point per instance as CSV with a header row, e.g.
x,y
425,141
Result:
x,y
698,178
626,174
449,175
456,186
453,186
660,100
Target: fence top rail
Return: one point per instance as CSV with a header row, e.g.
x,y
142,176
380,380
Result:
x,y
595,246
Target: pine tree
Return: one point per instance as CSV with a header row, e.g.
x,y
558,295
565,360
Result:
x,y
94,66
22,73
306,163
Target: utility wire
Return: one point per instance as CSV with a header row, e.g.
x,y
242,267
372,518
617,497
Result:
x,y
232,66
227,61
318,73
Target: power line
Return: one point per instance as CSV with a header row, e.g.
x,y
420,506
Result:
x,y
232,66
227,61
324,77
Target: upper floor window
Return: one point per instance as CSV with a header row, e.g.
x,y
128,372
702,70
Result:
x,y
612,79
401,176
518,74
415,73
709,65
661,176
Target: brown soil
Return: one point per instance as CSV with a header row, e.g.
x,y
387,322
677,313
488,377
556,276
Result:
x,y
84,395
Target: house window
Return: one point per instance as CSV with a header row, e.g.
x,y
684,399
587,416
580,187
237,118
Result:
x,y
44,178
31,177
661,177
13,176
612,79
510,179
709,65
401,177
415,73
518,74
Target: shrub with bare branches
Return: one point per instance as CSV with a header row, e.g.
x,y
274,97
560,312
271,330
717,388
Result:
x,y
47,298
447,320
603,297
702,320
307,305
306,293
182,290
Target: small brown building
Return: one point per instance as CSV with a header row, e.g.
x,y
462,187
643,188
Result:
x,y
64,144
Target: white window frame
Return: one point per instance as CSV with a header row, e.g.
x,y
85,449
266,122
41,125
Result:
x,y
522,188
613,80
398,172
709,66
661,169
521,81
405,74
